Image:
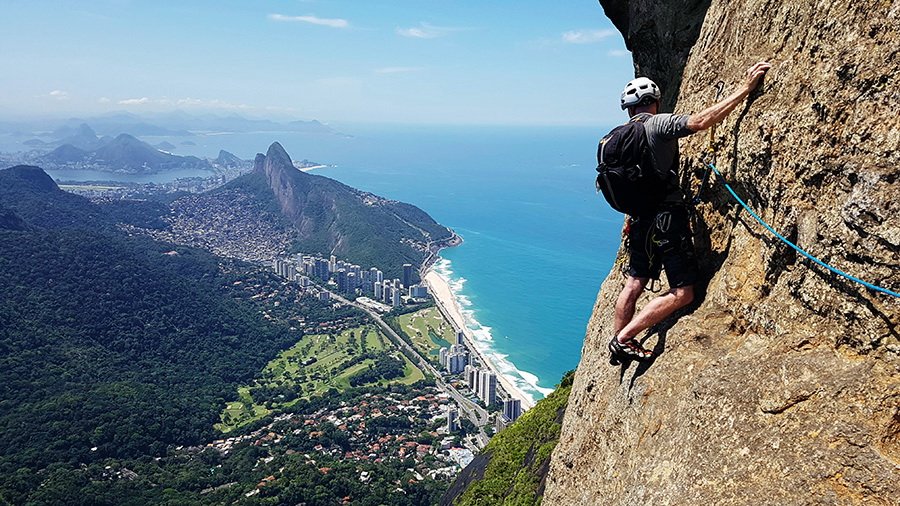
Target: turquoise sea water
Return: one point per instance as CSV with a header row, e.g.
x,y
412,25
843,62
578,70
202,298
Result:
x,y
538,239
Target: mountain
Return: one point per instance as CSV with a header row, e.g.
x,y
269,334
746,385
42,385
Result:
x,y
66,154
169,124
125,153
165,146
119,354
113,345
329,217
83,138
113,124
780,384
34,197
227,159
9,220
24,180
130,153
278,209
313,126
238,123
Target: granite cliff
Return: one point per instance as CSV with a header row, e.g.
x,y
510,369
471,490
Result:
x,y
781,383
330,217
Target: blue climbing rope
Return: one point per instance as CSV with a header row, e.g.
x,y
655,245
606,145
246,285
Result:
x,y
789,243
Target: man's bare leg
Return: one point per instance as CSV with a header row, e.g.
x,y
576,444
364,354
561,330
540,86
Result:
x,y
625,305
656,311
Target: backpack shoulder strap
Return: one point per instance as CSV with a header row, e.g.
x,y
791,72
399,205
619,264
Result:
x,y
640,118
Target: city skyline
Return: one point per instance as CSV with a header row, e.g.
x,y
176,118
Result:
x,y
332,60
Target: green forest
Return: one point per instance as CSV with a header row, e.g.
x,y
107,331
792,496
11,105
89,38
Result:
x,y
114,346
279,474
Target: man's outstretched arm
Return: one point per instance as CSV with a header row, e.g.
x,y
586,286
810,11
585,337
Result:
x,y
717,112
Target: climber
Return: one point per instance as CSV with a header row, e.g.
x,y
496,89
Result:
x,y
662,238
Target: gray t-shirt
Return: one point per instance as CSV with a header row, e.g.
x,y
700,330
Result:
x,y
663,132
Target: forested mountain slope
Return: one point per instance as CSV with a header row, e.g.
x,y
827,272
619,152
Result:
x,y
112,345
332,218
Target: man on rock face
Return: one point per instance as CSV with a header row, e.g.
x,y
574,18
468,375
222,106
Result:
x,y
662,239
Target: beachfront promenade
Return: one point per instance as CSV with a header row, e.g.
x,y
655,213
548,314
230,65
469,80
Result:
x,y
446,303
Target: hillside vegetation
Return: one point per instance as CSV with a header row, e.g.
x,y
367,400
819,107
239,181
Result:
x,y
117,346
329,217
512,468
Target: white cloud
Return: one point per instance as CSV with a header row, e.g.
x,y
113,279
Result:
x,y
314,20
59,94
619,53
135,101
397,70
427,31
586,36
103,100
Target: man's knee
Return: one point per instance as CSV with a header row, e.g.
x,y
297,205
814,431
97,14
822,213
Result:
x,y
635,286
684,295
630,293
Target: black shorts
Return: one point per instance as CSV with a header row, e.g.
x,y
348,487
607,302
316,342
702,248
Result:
x,y
663,240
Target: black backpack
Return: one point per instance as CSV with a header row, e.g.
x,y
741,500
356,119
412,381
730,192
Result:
x,y
627,174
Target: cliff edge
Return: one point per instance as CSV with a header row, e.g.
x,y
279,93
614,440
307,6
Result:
x,y
781,383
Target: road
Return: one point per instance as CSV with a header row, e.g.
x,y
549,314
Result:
x,y
469,409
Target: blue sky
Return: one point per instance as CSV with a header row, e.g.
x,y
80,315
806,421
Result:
x,y
406,61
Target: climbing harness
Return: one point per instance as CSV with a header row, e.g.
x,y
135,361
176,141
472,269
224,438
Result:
x,y
712,166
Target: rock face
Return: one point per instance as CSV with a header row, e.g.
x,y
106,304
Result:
x,y
781,384
329,217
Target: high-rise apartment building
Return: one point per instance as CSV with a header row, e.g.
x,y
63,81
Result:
x,y
407,274
512,409
488,387
469,373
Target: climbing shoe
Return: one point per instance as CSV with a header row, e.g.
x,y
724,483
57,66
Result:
x,y
629,350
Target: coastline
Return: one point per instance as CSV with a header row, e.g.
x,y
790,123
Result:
x,y
446,301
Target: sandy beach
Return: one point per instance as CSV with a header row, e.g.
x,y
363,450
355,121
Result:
x,y
440,290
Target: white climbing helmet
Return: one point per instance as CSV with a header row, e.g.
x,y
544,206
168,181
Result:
x,y
639,91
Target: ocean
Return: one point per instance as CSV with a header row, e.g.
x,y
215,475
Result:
x,y
538,240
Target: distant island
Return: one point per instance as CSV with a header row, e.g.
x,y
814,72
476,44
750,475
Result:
x,y
125,154
126,143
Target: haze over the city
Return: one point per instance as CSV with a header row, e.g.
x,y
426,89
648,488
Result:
x,y
531,62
